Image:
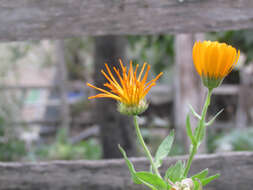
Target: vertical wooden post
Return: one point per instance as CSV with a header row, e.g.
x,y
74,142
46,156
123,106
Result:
x,y
188,89
244,97
62,84
115,128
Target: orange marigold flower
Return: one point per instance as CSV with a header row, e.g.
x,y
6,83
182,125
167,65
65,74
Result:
x,y
213,61
127,88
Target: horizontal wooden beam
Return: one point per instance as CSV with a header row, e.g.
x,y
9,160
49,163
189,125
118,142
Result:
x,y
236,171
227,89
34,19
70,86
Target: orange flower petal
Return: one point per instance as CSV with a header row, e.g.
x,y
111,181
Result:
x,y
130,90
214,59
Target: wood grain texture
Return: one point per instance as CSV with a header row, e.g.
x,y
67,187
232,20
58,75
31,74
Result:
x,y
37,19
236,171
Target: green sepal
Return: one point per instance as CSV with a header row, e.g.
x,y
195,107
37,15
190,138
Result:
x,y
201,178
213,119
133,110
211,82
164,149
209,179
175,172
189,130
194,112
130,166
200,175
151,180
197,185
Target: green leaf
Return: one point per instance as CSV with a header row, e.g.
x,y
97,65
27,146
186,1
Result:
x,y
164,149
209,179
189,130
197,185
175,172
152,180
213,119
200,175
194,112
130,166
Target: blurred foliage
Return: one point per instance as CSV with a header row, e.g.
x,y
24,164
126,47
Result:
x,y
211,138
62,149
157,50
13,56
78,108
78,53
11,149
236,140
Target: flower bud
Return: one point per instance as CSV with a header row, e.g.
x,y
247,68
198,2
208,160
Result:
x,y
213,61
129,90
185,184
134,109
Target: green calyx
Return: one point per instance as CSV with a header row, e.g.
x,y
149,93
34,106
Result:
x,y
133,109
211,82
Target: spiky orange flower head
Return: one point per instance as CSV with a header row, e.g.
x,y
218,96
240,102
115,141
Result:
x,y
213,61
129,88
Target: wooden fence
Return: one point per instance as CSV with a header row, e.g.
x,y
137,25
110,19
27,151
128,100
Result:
x,y
55,19
235,169
27,20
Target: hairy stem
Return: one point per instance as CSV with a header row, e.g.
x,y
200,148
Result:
x,y
140,139
201,126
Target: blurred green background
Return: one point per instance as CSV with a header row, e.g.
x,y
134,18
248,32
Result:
x,y
24,64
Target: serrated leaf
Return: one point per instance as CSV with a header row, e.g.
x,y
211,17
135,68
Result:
x,y
175,172
200,175
152,180
189,130
209,179
194,112
130,166
164,149
214,118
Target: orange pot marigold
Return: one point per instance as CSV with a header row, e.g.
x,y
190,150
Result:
x,y
129,88
213,61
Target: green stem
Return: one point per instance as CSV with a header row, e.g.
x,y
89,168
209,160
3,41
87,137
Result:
x,y
189,162
140,138
201,127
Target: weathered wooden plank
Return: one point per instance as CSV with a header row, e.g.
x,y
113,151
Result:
x,y
35,19
62,79
236,173
70,86
227,89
